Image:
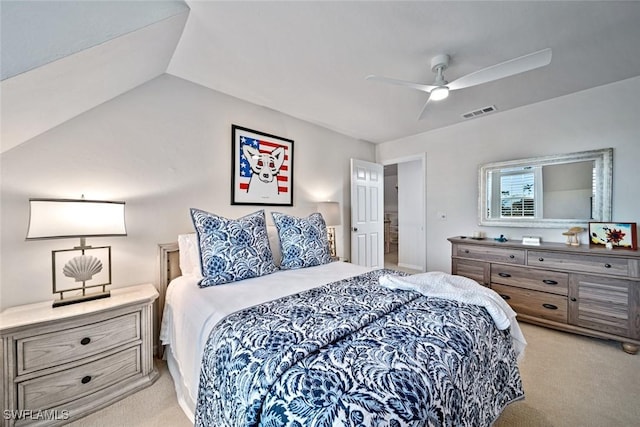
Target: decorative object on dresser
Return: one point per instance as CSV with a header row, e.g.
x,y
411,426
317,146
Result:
x,y
613,235
589,291
330,211
531,240
70,361
572,235
91,266
262,168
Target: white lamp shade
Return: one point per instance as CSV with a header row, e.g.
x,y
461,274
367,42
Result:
x,y
61,218
330,212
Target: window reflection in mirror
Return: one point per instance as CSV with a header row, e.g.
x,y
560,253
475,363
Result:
x,y
552,191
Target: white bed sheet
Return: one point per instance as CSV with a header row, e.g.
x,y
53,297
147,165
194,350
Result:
x,y
191,312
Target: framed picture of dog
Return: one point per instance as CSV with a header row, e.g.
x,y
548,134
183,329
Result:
x,y
262,168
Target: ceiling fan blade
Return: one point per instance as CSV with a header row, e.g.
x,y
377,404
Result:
x,y
424,109
419,86
504,69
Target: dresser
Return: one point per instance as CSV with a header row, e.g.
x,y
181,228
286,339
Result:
x,y
60,364
589,291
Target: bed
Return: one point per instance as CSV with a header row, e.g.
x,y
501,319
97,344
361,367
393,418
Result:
x,y
327,345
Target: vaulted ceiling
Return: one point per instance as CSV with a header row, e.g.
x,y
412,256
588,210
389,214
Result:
x,y
307,59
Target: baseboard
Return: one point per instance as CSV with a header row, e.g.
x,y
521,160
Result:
x,y
410,266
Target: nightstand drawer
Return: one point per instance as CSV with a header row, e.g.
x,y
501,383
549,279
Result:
x,y
56,348
56,389
539,304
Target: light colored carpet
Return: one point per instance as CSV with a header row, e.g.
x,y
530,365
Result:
x,y
569,381
152,407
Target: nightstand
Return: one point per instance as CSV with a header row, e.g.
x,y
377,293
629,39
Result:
x,y
60,364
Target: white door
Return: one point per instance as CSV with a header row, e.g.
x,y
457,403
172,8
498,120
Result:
x,y
367,213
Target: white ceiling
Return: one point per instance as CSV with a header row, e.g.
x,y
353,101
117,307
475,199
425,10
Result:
x,y
310,59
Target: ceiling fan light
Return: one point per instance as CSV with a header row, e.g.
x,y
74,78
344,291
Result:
x,y
439,93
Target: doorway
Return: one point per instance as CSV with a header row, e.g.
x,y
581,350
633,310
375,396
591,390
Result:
x,y
404,215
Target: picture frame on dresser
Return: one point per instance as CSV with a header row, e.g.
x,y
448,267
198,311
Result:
x,y
613,235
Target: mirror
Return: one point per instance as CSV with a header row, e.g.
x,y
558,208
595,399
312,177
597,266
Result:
x,y
553,191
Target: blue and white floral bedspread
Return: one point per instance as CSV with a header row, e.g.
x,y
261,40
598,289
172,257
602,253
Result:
x,y
353,353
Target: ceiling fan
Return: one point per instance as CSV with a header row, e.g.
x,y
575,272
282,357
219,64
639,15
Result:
x,y
440,88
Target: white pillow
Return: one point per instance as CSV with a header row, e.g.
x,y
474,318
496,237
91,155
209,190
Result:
x,y
274,242
189,255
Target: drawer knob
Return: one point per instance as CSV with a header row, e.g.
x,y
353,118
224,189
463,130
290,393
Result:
x,y
466,251
85,341
549,282
607,266
505,297
504,275
512,256
86,379
550,306
573,299
540,259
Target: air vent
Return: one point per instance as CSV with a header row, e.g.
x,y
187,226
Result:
x,y
479,112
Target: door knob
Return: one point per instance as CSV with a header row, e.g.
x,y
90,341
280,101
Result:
x,y
355,228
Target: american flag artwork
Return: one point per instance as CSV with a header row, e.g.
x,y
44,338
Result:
x,y
262,168
265,147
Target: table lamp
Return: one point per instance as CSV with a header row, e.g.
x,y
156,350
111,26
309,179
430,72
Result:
x,y
331,213
82,268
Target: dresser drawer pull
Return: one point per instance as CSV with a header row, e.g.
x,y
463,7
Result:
x,y
540,259
573,299
504,275
466,251
85,341
549,282
607,266
86,379
505,297
550,306
512,256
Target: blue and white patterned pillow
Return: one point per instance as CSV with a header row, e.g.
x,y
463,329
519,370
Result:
x,y
232,250
303,241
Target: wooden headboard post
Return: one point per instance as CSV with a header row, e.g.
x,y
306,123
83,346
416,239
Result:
x,y
169,270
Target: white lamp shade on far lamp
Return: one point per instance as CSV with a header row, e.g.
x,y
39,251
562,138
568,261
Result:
x,y
65,218
330,212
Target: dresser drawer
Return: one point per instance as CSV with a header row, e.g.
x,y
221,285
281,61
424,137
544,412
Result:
x,y
581,263
472,269
57,389
529,278
534,303
490,253
52,349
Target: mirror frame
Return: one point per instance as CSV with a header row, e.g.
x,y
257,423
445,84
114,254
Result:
x,y
602,200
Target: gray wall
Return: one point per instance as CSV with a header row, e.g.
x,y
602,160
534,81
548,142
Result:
x,y
162,148
602,117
